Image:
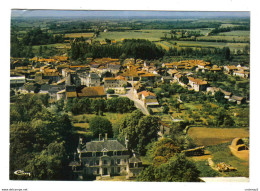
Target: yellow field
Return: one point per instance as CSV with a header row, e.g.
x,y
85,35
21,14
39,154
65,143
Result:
x,y
78,35
213,136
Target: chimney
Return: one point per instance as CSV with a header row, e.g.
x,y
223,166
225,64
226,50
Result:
x,y
126,143
80,143
105,136
99,137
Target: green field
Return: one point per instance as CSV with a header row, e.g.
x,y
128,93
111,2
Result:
x,y
57,45
236,33
152,35
198,44
233,37
225,25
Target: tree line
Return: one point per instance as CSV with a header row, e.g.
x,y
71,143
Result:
x,y
228,29
130,48
220,52
98,106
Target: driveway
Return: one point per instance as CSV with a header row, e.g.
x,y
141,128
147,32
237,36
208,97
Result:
x,y
139,104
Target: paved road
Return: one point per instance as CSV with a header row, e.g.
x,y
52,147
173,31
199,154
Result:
x,y
139,104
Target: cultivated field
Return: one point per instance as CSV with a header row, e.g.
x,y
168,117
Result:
x,y
213,136
78,35
198,44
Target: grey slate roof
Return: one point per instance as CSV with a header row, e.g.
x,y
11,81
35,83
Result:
x,y
70,88
167,77
134,159
94,76
45,87
98,146
56,88
114,66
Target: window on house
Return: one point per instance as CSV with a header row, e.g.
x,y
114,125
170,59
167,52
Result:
x,y
118,161
112,162
97,162
105,153
94,154
105,162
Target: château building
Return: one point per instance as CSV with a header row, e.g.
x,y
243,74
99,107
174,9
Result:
x,y
106,157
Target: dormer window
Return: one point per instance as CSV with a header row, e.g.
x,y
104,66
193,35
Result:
x,y
104,152
93,154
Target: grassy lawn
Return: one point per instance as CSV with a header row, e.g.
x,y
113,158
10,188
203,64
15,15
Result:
x,y
206,170
221,153
81,125
80,119
213,136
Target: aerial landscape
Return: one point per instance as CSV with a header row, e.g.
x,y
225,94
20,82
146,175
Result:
x,y
141,96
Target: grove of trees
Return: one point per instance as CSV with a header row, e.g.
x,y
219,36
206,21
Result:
x,y
99,106
40,140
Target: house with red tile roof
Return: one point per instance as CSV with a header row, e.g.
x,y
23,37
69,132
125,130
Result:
x,y
198,84
230,69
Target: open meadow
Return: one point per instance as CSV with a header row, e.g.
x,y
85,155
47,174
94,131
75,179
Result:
x,y
152,35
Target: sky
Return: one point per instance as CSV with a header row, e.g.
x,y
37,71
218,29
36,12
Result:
x,y
109,13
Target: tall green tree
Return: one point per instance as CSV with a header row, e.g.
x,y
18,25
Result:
x,y
100,125
177,169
